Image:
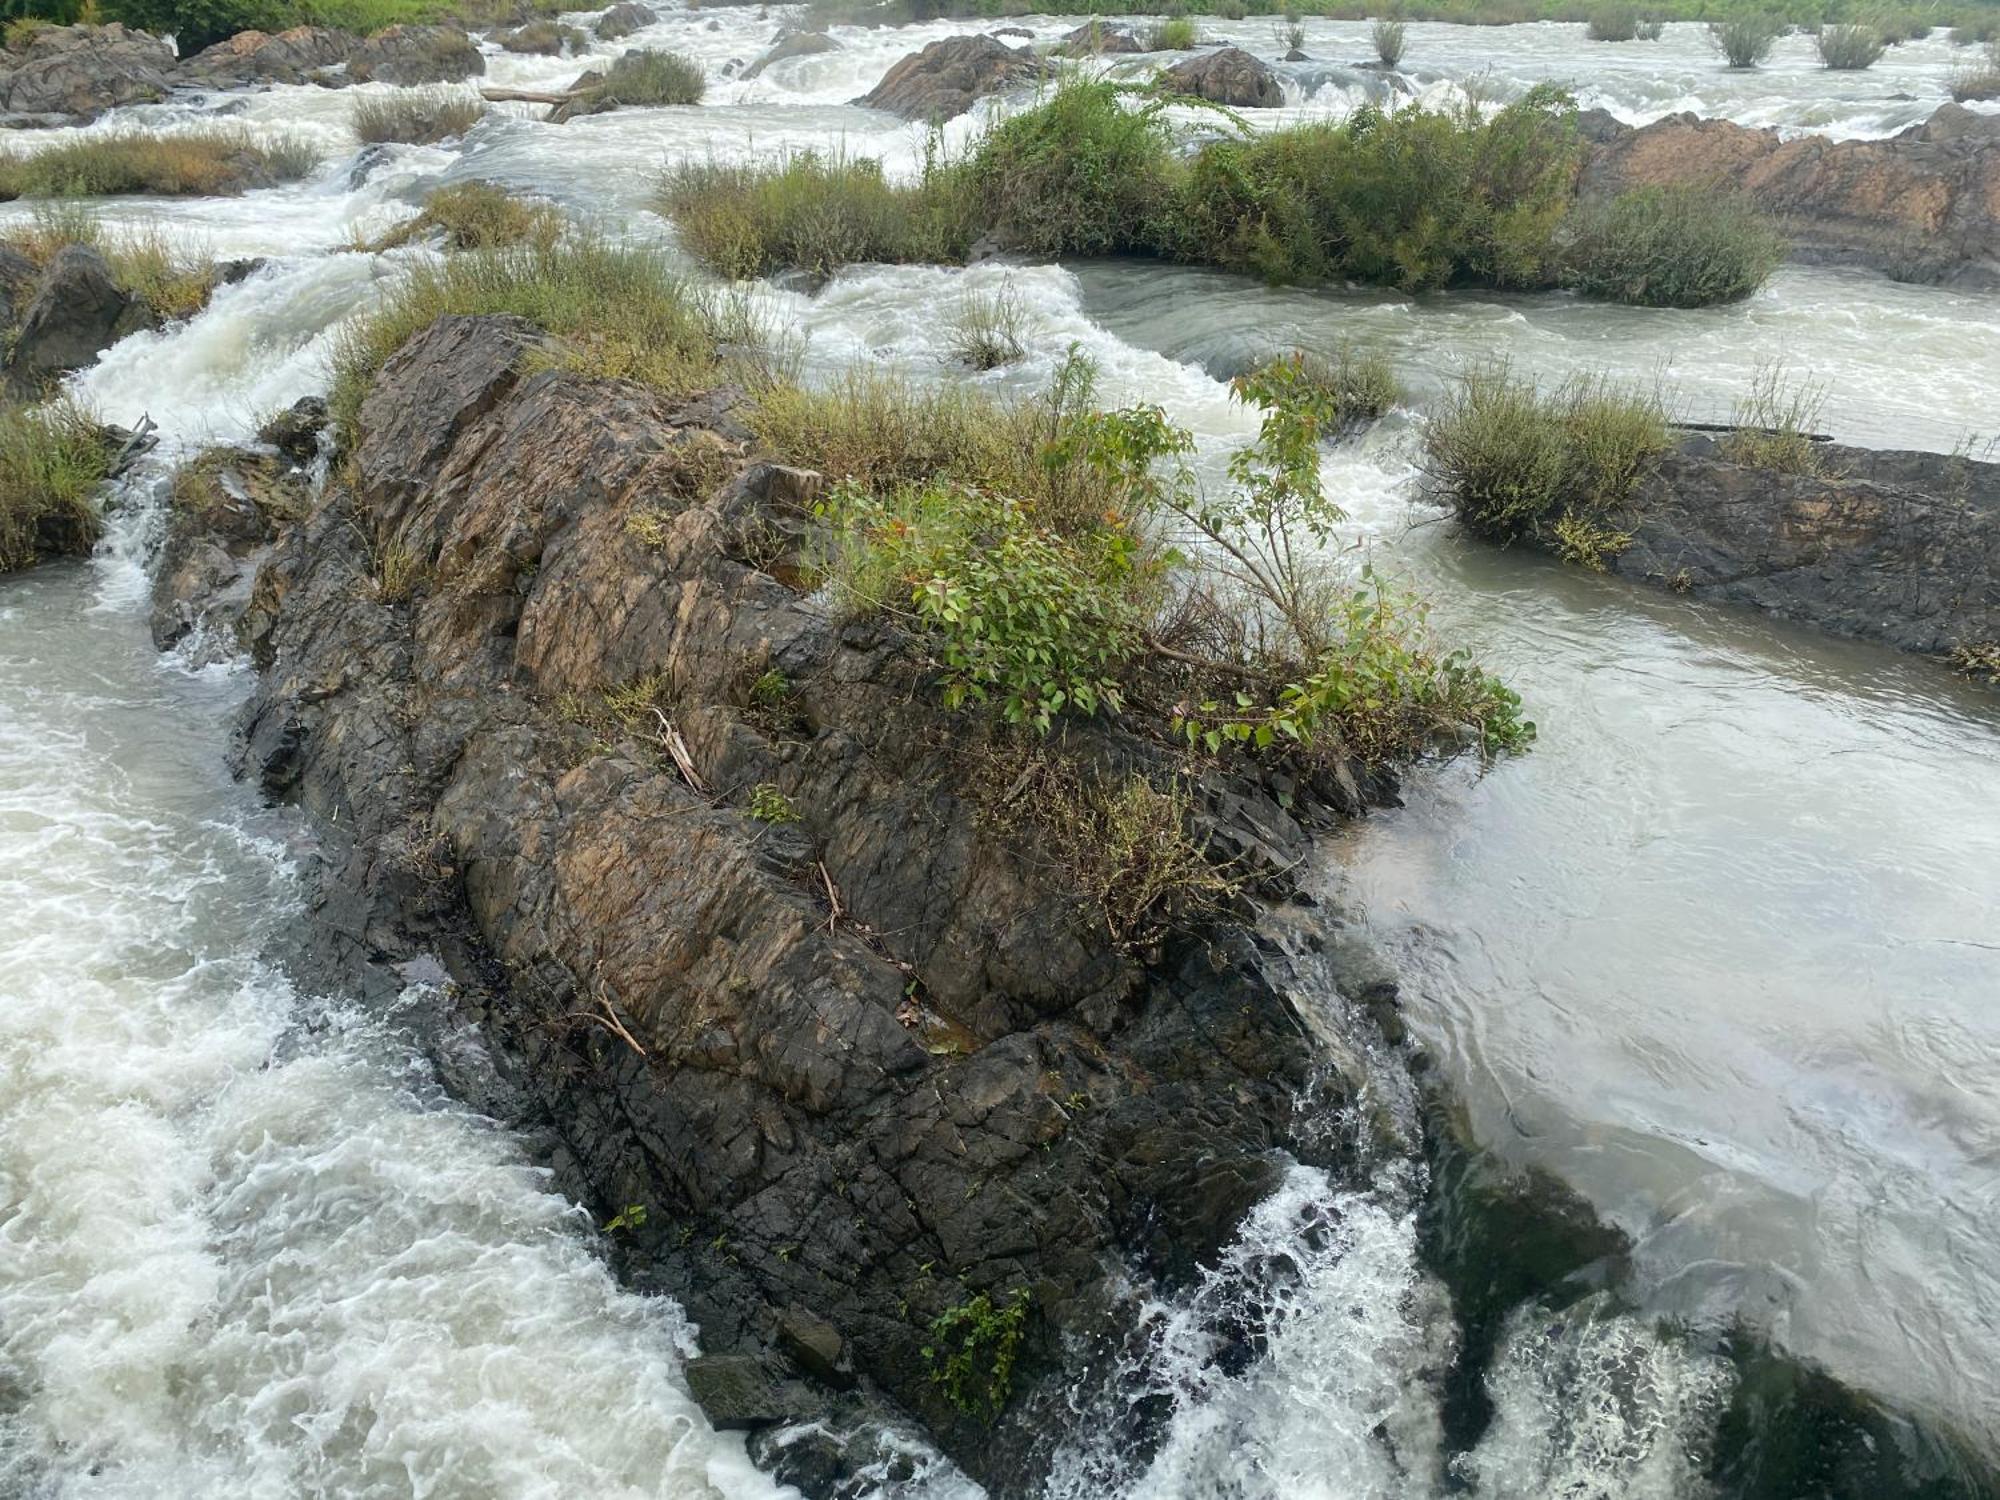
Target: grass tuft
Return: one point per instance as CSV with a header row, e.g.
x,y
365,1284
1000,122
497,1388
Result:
x,y
477,216
1669,247
1849,49
205,163
52,462
1773,424
1389,38
1174,34
648,78
173,280
985,329
417,117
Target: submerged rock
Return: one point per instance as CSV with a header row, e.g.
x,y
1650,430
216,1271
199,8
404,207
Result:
x,y
75,73
623,19
415,55
259,57
1921,206
1229,76
295,431
945,79
862,1066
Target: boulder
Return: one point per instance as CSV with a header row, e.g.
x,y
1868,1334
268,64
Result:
x,y
75,73
295,431
942,81
623,19
410,55
260,57
1228,76
1093,39
798,44
536,38
75,312
1921,206
225,509
734,1391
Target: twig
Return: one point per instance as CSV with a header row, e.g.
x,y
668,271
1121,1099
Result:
x,y
677,748
609,1018
833,898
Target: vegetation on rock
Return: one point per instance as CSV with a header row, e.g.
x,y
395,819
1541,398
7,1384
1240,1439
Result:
x,y
972,1350
172,280
417,117
1389,38
645,77
52,461
477,216
198,163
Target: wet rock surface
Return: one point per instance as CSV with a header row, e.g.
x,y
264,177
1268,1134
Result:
x,y
1921,206
945,79
70,74
1100,39
1228,76
225,510
798,44
68,314
415,55
859,1067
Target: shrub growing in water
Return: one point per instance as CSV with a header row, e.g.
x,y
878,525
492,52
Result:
x,y
52,460
985,330
1849,49
1745,40
1613,23
1669,247
417,117
477,216
643,77
1388,37
1174,34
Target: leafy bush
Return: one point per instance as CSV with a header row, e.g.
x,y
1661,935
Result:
x,y
174,281
202,163
1357,386
1849,48
477,216
972,1350
52,461
1388,38
1612,23
1174,34
417,117
1745,39
645,78
1512,460
985,329
1669,247
812,211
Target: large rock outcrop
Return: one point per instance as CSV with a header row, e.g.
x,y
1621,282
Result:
x,y
263,58
1922,206
1228,76
225,510
69,74
945,79
415,55
862,1059
71,313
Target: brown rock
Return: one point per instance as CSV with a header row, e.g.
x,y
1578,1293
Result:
x,y
411,55
78,72
262,57
942,81
1228,76
623,19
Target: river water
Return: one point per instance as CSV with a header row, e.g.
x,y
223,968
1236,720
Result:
x,y
1718,954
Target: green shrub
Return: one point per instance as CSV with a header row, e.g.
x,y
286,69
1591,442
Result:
x,y
972,1350
812,211
175,281
202,163
770,805
1127,847
1648,30
1513,461
1849,49
646,78
477,216
1174,34
417,117
619,310
985,329
1613,23
1388,37
1357,386
52,462
1745,40
1669,247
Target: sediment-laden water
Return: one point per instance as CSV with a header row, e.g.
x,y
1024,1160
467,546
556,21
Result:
x,y
1718,954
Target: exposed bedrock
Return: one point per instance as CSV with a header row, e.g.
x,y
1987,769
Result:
x,y
860,1068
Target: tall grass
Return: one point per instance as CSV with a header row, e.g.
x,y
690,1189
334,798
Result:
x,y
1174,34
52,461
477,216
985,328
648,78
1978,80
1389,38
417,117
1850,48
1513,460
174,280
1745,40
1669,247
204,163
814,211
1773,424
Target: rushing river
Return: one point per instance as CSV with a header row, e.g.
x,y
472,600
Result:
x,y
1718,954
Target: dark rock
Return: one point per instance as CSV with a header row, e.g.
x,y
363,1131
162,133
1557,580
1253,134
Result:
x,y
1020,31
78,72
410,55
1229,76
943,81
225,510
815,1346
798,44
262,57
543,38
295,431
1921,206
623,19
76,312
1095,40
1600,127
1296,54
367,161
734,1391
18,276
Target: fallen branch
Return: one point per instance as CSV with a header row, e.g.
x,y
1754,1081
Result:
x,y
530,96
677,748
833,899
609,1018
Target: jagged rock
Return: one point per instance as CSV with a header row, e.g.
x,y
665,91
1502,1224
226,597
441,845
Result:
x,y
798,44
1094,40
226,509
942,1078
78,72
415,55
76,312
295,431
1228,76
1921,206
943,81
264,57
734,1391
1020,31
623,19
815,1346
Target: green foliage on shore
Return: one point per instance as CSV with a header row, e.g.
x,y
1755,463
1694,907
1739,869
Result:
x,y
1669,247
1514,460
197,23
198,163
1418,199
52,461
173,279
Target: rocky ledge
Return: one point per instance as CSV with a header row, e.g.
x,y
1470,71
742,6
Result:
x,y
1921,206
754,931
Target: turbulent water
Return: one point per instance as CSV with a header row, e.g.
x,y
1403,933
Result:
x,y
1718,953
